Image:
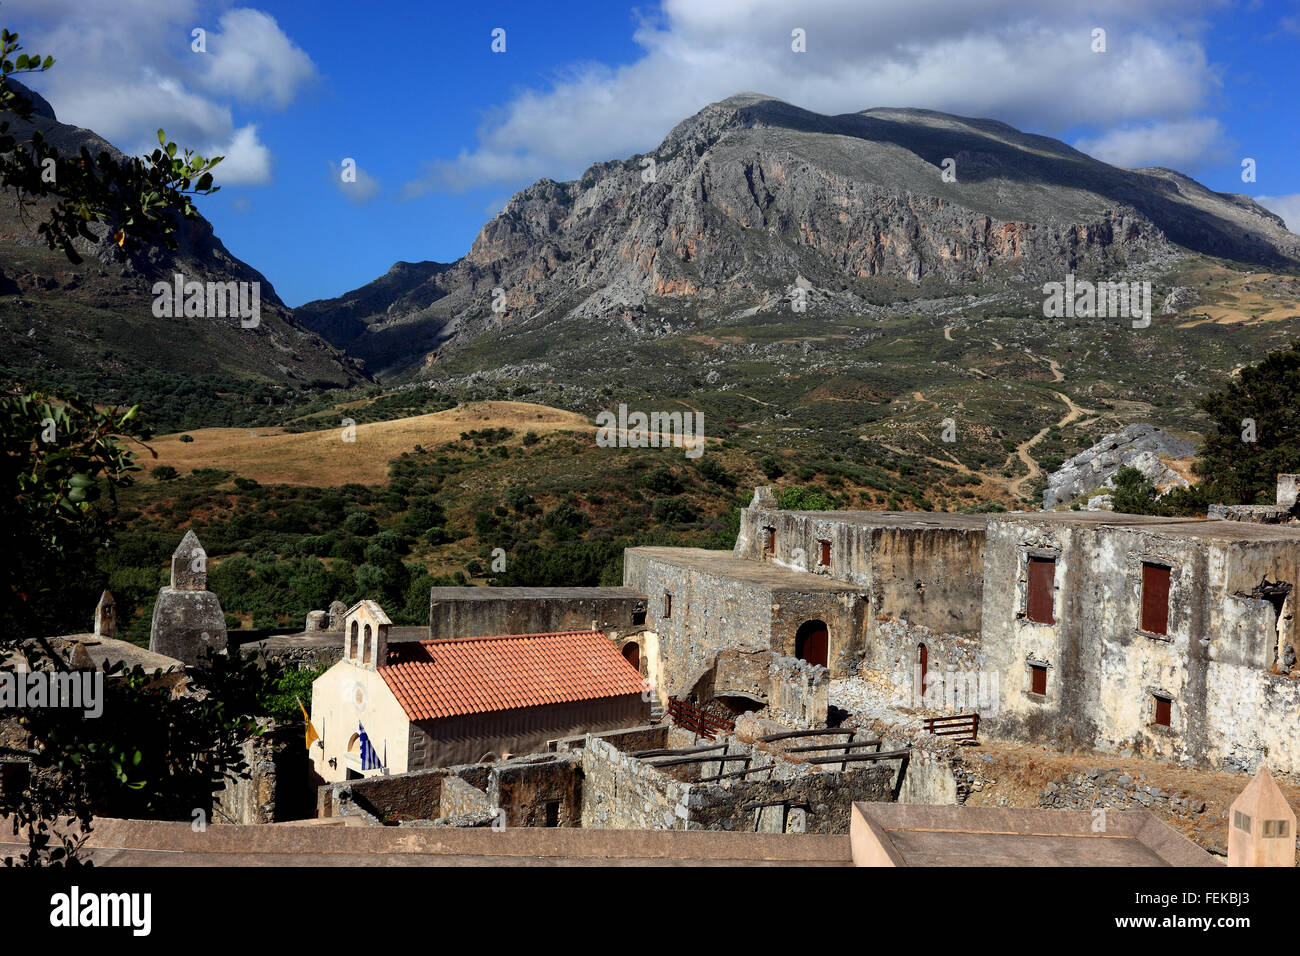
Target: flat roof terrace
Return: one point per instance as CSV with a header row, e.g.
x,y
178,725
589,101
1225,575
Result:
x,y
725,564
1181,526
892,834
897,519
525,594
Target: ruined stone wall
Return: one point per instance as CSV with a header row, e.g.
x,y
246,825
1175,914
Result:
x,y
710,612
622,792
713,610
1229,710
276,769
414,796
523,789
461,799
483,612
798,692
911,568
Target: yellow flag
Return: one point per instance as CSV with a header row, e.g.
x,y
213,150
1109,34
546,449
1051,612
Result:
x,y
311,731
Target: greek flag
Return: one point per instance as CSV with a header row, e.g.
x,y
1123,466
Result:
x,y
369,759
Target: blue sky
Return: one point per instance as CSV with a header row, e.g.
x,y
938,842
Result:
x,y
443,130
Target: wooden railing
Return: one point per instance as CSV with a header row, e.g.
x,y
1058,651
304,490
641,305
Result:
x,y
966,726
697,721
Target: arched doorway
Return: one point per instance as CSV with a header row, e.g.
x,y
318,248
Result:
x,y
811,643
632,654
922,665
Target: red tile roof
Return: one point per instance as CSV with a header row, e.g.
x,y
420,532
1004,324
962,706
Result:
x,y
473,675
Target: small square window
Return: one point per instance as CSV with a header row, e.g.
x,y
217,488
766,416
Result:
x,y
824,554
668,605
1241,820
1164,711
1277,829
1038,679
638,618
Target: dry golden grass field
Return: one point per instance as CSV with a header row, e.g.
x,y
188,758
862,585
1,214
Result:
x,y
1247,299
324,459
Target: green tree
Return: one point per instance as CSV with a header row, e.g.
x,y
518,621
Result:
x,y
1255,433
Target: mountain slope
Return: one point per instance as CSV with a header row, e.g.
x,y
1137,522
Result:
x,y
57,317
752,196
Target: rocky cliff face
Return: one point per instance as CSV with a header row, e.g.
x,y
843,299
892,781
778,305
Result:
x,y
99,314
751,195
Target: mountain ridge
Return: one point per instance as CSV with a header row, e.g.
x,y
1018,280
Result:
x,y
751,193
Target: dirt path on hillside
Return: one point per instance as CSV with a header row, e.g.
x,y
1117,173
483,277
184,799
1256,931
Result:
x,y
1072,414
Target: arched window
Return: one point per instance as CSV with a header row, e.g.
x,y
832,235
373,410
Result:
x,y
811,643
365,651
352,643
632,654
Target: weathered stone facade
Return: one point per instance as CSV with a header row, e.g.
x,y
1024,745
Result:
x,y
486,612
1218,675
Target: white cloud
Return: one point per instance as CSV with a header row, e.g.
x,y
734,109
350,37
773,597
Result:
x,y
251,58
247,160
1288,207
1027,63
359,192
1178,144
126,69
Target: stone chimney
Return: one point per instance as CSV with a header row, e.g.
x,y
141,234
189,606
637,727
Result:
x,y
106,616
1261,825
1288,489
187,617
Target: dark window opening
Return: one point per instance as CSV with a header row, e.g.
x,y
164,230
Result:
x,y
638,618
15,777
1155,598
825,555
811,643
552,813
632,654
668,605
1042,591
1038,679
1164,711
922,664
769,541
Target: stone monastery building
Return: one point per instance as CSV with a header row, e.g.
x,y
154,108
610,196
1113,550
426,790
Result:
x,y
1170,638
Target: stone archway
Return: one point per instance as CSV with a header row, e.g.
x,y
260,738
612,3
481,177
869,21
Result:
x,y
632,654
812,643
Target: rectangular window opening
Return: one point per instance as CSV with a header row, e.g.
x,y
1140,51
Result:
x,y
1040,601
552,813
1038,679
1277,829
824,554
668,605
1164,711
1241,820
769,541
1155,598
